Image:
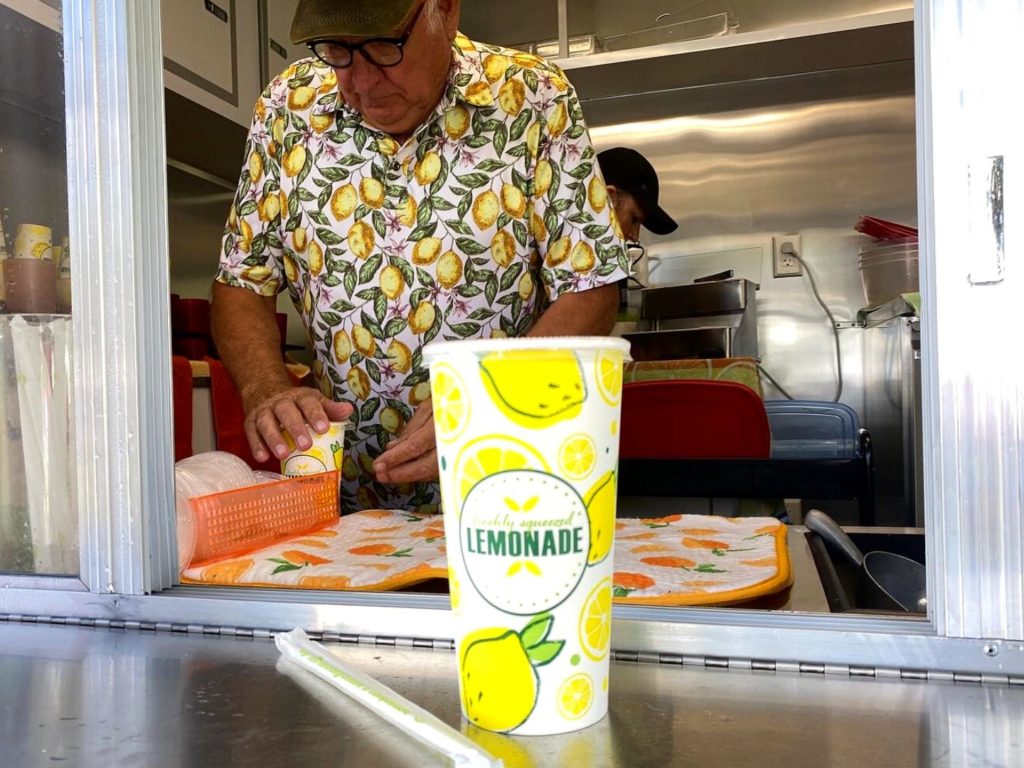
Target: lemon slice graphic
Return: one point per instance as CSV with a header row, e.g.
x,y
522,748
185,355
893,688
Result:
x,y
596,621
608,372
577,456
491,454
451,403
575,696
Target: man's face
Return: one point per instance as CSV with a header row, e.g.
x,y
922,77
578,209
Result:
x,y
628,212
398,99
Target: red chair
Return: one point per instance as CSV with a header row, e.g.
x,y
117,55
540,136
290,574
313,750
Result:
x,y
693,419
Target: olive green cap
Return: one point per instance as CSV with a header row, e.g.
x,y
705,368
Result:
x,y
326,19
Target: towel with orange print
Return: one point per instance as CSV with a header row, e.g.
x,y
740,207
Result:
x,y
370,550
699,560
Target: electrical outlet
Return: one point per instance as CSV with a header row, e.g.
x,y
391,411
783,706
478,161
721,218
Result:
x,y
783,248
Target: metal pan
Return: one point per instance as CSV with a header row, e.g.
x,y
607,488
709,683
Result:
x,y
888,581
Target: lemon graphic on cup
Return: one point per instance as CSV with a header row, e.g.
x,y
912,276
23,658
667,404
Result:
x,y
600,502
595,623
535,388
608,373
490,454
575,696
499,680
451,403
577,456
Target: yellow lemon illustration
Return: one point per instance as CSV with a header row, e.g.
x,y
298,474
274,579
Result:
x,y
328,82
407,211
361,239
499,684
299,240
616,227
233,217
582,258
392,420
479,94
597,192
301,97
256,274
270,207
526,60
577,456
387,146
421,319
513,201
307,302
537,229
278,129
486,209
260,110
526,286
535,388
322,122
503,248
595,625
315,258
366,345
542,178
426,251
359,383
456,121
372,192
533,139
311,462
420,393
428,169
600,503
367,498
449,269
342,346
344,201
451,403
366,464
400,356
575,696
511,97
245,243
392,282
495,65
487,455
255,167
295,160
558,252
558,120
291,271
608,372
497,333
464,43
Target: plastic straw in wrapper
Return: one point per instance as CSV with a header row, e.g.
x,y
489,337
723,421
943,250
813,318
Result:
x,y
414,720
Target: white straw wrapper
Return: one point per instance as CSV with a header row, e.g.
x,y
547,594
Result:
x,y
414,720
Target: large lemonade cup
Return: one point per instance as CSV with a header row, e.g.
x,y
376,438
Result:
x,y
527,442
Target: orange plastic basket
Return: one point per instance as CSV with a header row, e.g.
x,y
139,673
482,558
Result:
x,y
245,519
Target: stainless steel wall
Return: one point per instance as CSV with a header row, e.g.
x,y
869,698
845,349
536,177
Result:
x,y
733,178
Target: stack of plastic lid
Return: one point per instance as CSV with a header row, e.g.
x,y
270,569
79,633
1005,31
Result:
x,y
888,268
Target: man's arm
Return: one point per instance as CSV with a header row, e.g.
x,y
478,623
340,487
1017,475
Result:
x,y
587,313
249,342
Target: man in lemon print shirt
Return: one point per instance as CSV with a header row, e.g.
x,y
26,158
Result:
x,y
404,184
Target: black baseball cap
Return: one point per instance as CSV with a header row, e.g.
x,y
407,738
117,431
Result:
x,y
628,170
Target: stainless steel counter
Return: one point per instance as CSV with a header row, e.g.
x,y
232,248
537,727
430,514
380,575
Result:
x,y
83,697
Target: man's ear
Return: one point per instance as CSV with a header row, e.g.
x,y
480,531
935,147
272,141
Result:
x,y
450,11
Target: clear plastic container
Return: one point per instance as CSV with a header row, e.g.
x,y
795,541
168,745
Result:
x,y
887,278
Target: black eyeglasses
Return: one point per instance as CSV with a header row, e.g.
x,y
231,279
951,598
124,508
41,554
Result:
x,y
379,51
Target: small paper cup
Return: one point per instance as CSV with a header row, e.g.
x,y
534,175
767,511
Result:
x,y
527,441
324,455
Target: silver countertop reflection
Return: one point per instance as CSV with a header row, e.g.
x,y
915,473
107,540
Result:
x,y
83,697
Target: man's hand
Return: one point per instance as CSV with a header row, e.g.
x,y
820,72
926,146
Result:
x,y
412,457
291,409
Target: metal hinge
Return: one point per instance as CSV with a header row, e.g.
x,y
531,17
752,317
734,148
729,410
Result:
x,y
813,668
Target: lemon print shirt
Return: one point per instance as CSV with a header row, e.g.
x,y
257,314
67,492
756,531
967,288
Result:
x,y
493,207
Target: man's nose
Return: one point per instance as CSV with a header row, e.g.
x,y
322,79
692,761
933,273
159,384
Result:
x,y
361,74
